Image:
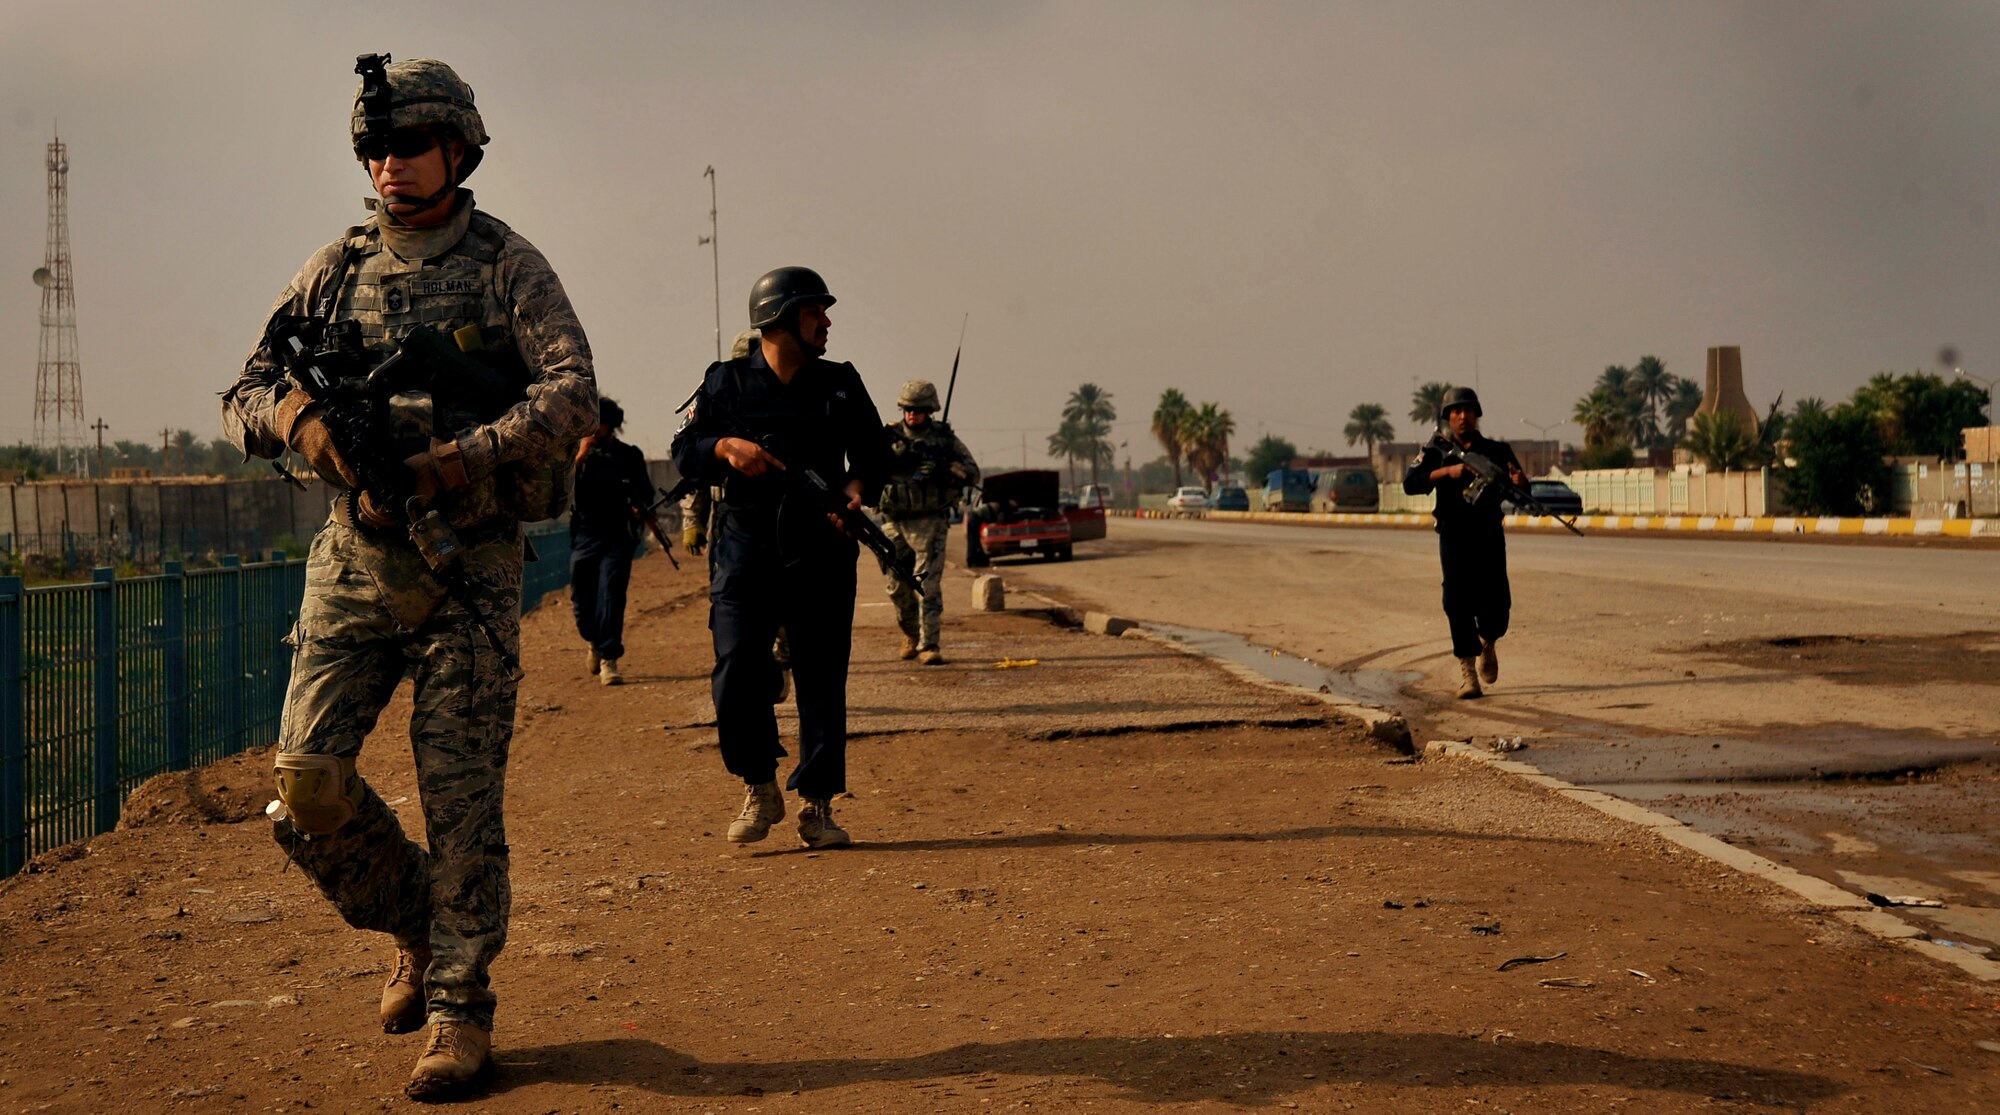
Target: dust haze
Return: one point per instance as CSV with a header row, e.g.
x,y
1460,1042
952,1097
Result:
x,y
1285,208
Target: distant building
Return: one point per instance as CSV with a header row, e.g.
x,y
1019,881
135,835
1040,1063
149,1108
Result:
x,y
1724,392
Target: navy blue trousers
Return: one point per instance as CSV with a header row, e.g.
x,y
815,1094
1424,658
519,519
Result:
x,y
600,569
1477,598
752,591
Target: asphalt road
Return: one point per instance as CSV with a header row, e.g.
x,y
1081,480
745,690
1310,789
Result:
x,y
1775,692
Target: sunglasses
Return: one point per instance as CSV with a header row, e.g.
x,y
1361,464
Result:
x,y
402,145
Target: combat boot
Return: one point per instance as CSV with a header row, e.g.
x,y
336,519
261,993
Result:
x,y
1489,661
457,1055
607,673
592,662
930,656
1468,689
909,650
763,806
816,827
403,996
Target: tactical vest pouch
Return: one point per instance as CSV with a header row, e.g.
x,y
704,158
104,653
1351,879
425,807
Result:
x,y
537,488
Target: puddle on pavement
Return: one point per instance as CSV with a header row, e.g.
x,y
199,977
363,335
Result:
x,y
1369,687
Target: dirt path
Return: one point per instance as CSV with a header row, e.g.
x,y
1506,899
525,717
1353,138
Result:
x,y
1117,879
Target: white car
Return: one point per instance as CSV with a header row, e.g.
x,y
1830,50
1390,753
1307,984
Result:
x,y
1187,501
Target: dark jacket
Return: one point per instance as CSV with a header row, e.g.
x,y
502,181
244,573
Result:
x,y
1453,513
611,484
822,420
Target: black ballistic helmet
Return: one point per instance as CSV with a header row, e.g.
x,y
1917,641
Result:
x,y
782,289
1460,397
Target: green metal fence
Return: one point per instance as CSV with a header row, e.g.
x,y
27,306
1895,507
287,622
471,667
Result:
x,y
107,683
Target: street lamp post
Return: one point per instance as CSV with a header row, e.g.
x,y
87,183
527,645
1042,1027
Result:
x,y
715,253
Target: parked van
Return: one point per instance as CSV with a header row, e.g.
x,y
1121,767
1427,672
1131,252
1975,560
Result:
x,y
1348,488
1288,489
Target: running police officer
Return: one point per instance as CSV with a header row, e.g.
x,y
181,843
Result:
x,y
1470,543
613,504
762,426
418,573
933,469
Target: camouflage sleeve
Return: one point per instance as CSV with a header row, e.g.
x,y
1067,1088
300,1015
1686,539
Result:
x,y
250,405
965,461
694,508
562,390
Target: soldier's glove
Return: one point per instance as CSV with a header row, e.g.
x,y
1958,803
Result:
x,y
437,471
693,539
302,427
375,515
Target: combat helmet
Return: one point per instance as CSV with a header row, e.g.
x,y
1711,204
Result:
x,y
918,394
419,93
780,290
1460,397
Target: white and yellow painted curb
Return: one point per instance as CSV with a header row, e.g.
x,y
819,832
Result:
x,y
1715,524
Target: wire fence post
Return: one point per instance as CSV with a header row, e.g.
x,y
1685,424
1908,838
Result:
x,y
180,754
232,653
104,716
13,736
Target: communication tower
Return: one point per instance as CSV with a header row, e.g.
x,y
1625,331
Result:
x,y
59,424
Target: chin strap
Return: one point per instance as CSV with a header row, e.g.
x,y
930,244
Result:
x,y
443,192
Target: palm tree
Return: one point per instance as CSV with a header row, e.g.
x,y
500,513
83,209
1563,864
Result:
x,y
1682,402
1369,422
1652,385
1425,401
1600,416
1719,441
1167,419
1069,442
185,443
1090,403
1205,434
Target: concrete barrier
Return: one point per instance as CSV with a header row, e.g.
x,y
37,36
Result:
x,y
1781,525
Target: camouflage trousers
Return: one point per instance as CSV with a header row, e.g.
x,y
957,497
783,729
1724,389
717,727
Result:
x,y
372,615
922,536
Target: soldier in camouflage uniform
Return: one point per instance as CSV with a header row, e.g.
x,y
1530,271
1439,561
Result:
x,y
374,610
933,469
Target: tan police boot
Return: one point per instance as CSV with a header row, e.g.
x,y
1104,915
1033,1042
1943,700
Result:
x,y
607,673
909,650
763,806
816,827
1489,661
403,996
930,656
457,1055
591,662
1468,689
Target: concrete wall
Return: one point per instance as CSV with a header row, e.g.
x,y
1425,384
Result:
x,y
1680,491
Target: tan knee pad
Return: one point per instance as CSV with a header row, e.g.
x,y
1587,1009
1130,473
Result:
x,y
320,792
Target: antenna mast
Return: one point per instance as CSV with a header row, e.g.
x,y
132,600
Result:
x,y
59,423
715,252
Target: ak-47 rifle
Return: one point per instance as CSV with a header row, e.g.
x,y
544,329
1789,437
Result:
x,y
1491,475
327,362
863,530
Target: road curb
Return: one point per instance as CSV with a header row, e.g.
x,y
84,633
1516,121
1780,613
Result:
x,y
1710,524
1842,904
1385,726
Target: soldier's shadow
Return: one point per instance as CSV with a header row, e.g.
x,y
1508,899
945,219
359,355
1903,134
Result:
x,y
1244,1068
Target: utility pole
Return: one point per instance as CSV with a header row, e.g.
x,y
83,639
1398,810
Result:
x,y
715,255
100,427
59,421
164,435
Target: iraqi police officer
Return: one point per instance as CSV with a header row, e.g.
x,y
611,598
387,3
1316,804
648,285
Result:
x,y
1471,546
765,427
418,572
932,470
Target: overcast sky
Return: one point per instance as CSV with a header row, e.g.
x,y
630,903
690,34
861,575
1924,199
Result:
x,y
1285,208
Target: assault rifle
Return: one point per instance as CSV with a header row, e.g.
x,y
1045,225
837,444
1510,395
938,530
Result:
x,y
1491,475
328,363
863,530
